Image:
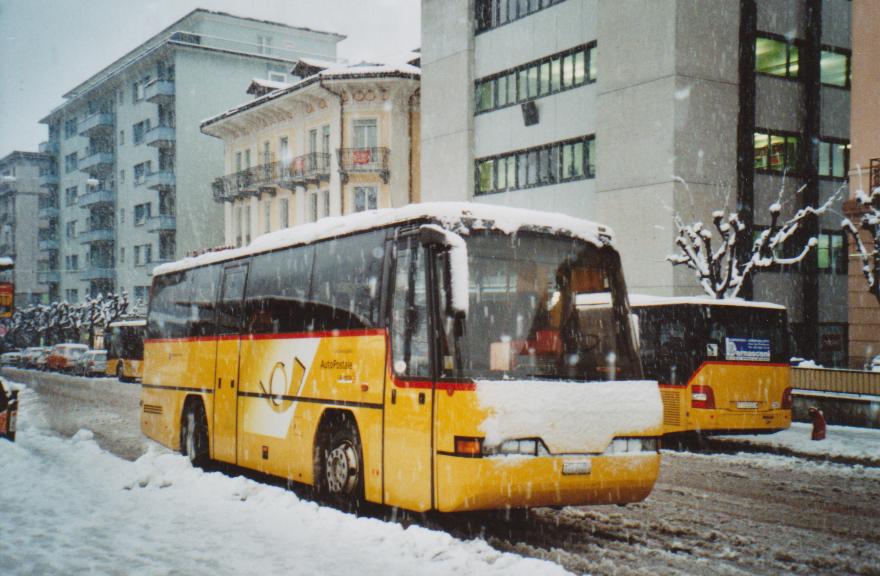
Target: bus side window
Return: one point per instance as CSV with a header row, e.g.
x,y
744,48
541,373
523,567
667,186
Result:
x,y
229,307
204,295
409,313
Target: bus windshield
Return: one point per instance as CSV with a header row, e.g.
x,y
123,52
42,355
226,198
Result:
x,y
676,339
125,342
522,321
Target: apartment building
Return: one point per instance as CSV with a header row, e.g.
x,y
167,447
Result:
x,y
21,200
864,173
131,168
343,139
632,111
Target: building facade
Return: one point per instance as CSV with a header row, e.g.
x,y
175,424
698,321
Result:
x,y
341,140
864,309
631,112
22,199
130,164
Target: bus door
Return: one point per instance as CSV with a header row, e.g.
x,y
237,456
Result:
x,y
228,325
409,395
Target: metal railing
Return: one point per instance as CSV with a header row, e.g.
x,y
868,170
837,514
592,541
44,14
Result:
x,y
830,380
364,160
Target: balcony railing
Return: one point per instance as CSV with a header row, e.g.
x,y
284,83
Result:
x,y
162,223
49,245
48,178
95,158
159,91
96,197
97,122
48,276
161,136
160,179
49,147
312,167
97,272
48,212
364,161
96,235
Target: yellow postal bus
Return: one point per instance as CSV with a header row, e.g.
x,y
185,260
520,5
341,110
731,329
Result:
x,y
723,365
124,342
428,357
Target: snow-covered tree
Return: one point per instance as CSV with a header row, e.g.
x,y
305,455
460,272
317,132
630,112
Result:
x,y
869,205
718,268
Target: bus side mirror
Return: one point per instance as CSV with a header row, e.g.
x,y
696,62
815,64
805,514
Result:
x,y
457,276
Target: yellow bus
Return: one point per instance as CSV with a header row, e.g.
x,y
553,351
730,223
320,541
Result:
x,y
722,365
124,342
429,358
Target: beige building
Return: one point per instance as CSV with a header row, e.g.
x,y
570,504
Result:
x,y
341,140
864,310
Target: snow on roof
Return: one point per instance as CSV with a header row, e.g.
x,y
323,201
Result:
x,y
140,322
273,84
636,300
451,215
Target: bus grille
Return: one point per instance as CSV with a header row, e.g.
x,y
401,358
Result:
x,y
152,409
671,408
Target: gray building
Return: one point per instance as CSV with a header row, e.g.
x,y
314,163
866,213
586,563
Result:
x,y
131,169
21,201
629,112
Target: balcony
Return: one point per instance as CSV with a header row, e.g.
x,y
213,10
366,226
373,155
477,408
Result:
x,y
93,272
237,184
99,122
96,159
49,147
160,179
96,198
7,188
364,161
160,137
49,245
159,91
312,167
48,276
162,223
48,212
48,178
96,235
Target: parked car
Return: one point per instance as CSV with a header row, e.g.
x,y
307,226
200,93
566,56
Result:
x,y
40,363
29,356
11,358
63,357
92,362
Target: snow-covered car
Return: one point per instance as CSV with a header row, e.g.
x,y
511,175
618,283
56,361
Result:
x,y
92,362
874,365
29,356
11,358
40,362
63,357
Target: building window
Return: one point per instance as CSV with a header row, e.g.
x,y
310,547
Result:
x,y
776,56
143,254
365,133
71,295
831,252
70,163
71,229
833,159
122,254
137,89
236,224
565,161
835,67
122,137
70,196
167,246
267,215
247,224
284,214
284,149
140,293
313,207
278,77
139,130
776,151
366,198
493,13
141,214
122,176
141,171
71,262
556,73
69,127
264,44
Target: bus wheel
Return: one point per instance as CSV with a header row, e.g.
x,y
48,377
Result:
x,y
342,466
194,434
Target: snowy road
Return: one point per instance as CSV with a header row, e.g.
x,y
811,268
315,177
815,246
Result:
x,y
709,513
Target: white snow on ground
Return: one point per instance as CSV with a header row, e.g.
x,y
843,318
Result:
x,y
67,507
840,441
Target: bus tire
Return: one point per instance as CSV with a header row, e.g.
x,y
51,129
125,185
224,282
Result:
x,y
341,468
194,433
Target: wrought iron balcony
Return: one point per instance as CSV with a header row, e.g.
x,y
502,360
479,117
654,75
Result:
x,y
96,123
96,159
96,235
159,91
311,167
237,184
96,197
161,136
161,179
49,147
162,223
364,161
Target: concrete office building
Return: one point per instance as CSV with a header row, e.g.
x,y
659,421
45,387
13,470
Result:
x,y
132,171
631,111
21,200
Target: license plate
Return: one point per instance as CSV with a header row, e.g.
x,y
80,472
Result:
x,y
746,405
576,467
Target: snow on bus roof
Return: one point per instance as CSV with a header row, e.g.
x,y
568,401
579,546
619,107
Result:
x,y
140,322
449,214
649,300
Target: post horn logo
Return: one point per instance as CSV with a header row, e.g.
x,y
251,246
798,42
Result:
x,y
280,388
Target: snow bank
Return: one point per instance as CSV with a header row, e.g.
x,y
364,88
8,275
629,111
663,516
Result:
x,y
571,417
70,508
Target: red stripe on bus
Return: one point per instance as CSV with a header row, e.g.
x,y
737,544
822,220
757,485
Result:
x,y
427,385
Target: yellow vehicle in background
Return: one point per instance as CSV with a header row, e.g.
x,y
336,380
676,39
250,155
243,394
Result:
x,y
124,342
429,358
7,287
722,365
